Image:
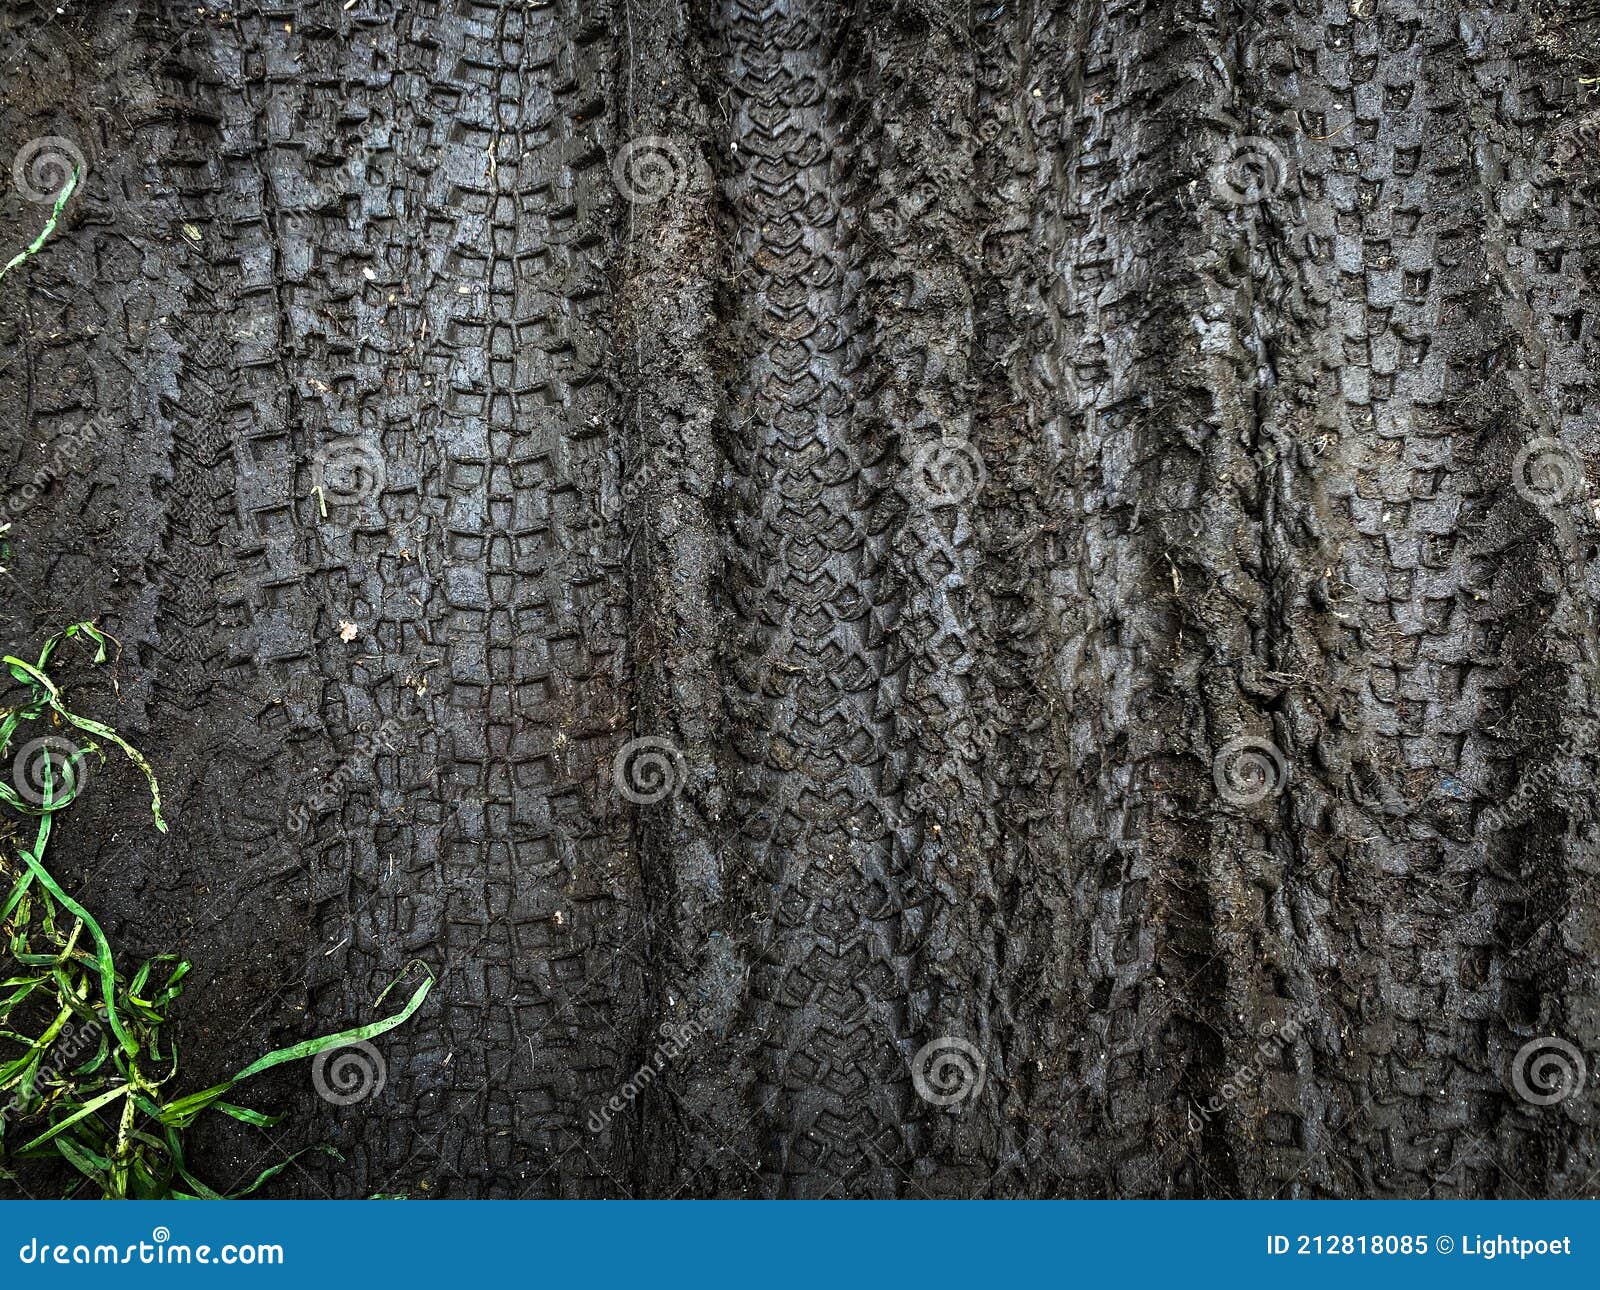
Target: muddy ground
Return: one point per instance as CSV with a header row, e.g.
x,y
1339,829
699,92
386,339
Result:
x,y
1087,506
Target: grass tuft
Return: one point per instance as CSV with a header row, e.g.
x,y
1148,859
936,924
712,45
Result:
x,y
85,1062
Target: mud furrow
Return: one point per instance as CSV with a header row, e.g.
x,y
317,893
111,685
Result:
x,y
830,980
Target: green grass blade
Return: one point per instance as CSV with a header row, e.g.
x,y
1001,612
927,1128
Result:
x,y
34,247
267,1175
94,1167
108,971
260,1119
311,1047
133,755
87,1109
181,1111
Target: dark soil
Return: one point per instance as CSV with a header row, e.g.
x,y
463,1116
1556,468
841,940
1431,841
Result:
x,y
890,409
